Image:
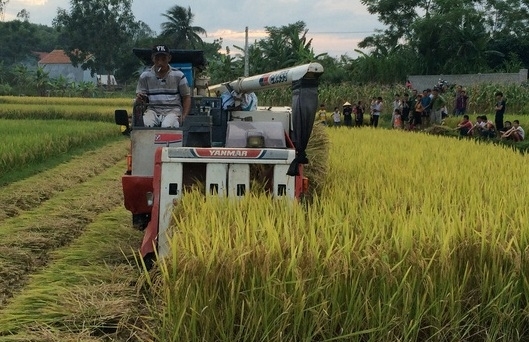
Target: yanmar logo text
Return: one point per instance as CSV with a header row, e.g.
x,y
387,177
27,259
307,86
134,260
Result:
x,y
228,153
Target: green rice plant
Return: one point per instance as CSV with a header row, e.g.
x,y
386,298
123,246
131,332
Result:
x,y
413,238
56,112
50,108
26,142
72,101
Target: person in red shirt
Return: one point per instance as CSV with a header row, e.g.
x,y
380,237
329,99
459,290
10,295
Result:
x,y
464,126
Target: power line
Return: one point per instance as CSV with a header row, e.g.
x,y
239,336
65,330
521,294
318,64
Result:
x,y
310,32
340,32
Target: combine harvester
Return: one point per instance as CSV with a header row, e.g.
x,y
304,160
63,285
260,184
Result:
x,y
218,147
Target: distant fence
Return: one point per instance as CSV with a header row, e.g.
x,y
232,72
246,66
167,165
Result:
x,y
421,82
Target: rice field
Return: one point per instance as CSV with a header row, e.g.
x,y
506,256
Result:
x,y
59,112
413,238
409,237
65,101
33,141
53,108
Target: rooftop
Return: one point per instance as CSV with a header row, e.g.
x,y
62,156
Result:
x,y
56,57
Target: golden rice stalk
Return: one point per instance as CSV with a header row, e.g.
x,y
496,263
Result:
x,y
318,154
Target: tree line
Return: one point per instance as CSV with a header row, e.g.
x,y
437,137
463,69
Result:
x,y
434,37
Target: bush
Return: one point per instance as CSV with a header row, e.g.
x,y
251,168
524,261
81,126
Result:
x,y
5,89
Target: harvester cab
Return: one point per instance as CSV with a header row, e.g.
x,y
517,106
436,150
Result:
x,y
222,144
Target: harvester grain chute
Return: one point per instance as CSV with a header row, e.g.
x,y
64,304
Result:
x,y
217,145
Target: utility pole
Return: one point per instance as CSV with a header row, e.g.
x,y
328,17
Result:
x,y
246,58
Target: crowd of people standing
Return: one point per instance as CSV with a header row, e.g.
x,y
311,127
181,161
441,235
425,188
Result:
x,y
416,111
354,115
409,112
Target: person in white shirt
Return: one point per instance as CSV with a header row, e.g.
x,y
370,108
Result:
x,y
516,132
336,118
165,89
377,109
397,106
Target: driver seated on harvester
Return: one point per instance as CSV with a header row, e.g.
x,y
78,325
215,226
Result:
x,y
166,91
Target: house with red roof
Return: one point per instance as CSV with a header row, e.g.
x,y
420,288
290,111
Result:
x,y
57,63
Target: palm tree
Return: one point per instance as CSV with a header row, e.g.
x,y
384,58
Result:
x,y
22,78
180,30
287,46
42,81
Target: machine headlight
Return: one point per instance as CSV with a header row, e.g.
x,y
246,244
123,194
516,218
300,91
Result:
x,y
150,199
255,139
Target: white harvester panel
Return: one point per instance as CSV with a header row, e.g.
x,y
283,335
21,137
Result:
x,y
283,185
238,132
238,180
170,190
281,114
144,144
216,182
227,172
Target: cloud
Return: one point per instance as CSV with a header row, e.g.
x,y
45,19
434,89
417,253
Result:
x,y
32,2
40,11
335,44
336,26
341,7
9,16
237,35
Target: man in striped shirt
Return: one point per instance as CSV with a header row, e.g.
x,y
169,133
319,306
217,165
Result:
x,y
166,89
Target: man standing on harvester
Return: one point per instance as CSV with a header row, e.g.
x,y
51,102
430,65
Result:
x,y
165,89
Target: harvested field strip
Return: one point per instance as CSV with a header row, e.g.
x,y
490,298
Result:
x,y
29,193
32,142
54,161
85,291
28,239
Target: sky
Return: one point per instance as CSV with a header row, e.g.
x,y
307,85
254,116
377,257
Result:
x,y
335,26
